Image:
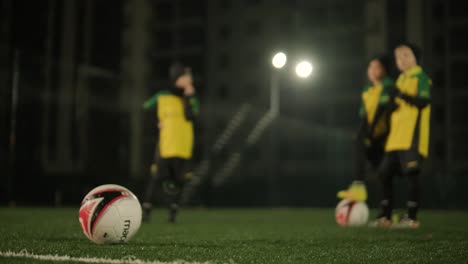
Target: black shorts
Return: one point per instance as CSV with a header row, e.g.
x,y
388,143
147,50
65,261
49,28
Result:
x,y
375,151
401,162
174,169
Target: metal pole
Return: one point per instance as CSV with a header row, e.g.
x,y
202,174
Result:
x,y
12,141
448,89
48,81
274,94
274,136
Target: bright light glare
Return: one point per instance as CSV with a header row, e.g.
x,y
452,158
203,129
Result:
x,y
279,60
304,69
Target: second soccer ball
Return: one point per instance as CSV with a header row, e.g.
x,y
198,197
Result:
x,y
351,213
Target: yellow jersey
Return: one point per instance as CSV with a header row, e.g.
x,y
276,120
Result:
x,y
409,124
373,98
175,114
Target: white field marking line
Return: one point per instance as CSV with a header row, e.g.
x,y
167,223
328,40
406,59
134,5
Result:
x,y
124,260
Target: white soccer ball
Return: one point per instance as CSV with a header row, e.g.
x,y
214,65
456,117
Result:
x,y
351,213
110,214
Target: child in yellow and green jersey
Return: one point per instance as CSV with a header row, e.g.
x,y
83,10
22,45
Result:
x,y
370,140
408,141
176,108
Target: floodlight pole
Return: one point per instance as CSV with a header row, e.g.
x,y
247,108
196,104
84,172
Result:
x,y
12,126
274,93
273,174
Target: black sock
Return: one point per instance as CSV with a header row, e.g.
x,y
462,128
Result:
x,y
386,209
412,210
385,172
413,195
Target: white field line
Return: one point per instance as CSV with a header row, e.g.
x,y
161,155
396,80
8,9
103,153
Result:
x,y
125,260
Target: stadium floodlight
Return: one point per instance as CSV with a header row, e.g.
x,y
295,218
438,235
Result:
x,y
304,69
279,60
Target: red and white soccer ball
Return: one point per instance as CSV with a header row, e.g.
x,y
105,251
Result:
x,y
351,213
110,214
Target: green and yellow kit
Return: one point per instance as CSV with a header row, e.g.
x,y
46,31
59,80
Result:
x,y
409,123
175,114
373,109
369,143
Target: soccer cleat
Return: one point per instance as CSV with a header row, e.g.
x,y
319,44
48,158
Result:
x,y
173,209
357,192
407,223
381,222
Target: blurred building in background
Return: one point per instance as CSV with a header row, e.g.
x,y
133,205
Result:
x,y
68,113
85,67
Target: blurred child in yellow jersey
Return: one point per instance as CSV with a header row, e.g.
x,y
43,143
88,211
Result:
x,y
370,140
176,108
408,141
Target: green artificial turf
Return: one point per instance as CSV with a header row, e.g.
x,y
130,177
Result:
x,y
242,236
